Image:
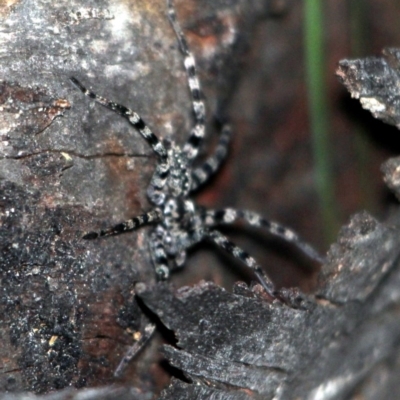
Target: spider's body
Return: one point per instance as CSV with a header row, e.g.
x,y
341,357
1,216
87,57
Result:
x,y
178,221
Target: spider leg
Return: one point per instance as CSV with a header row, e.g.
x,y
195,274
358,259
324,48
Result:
x,y
134,119
146,335
237,252
163,167
158,254
128,225
196,136
230,215
201,174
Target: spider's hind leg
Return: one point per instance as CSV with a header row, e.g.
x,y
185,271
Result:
x,y
229,215
223,242
158,254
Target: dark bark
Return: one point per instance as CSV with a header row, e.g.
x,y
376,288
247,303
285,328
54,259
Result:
x,y
310,347
374,81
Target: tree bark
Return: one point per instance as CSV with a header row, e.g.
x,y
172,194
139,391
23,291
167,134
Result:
x,y
68,307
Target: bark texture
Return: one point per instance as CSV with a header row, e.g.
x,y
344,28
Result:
x,y
68,307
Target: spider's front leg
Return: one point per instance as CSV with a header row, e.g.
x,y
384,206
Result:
x,y
201,174
196,136
129,225
163,167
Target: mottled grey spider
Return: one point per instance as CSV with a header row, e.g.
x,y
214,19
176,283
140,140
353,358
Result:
x,y
178,222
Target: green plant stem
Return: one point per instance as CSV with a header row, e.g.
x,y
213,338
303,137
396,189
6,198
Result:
x,y
319,114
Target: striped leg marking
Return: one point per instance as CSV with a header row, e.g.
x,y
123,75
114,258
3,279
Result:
x,y
127,226
163,167
230,215
196,136
240,254
201,174
134,119
159,256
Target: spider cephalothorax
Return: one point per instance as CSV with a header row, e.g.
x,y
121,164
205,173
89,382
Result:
x,y
178,222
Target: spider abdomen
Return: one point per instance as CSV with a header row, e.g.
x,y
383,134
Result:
x,y
179,180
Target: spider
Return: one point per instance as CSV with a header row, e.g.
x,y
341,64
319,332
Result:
x,y
178,222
